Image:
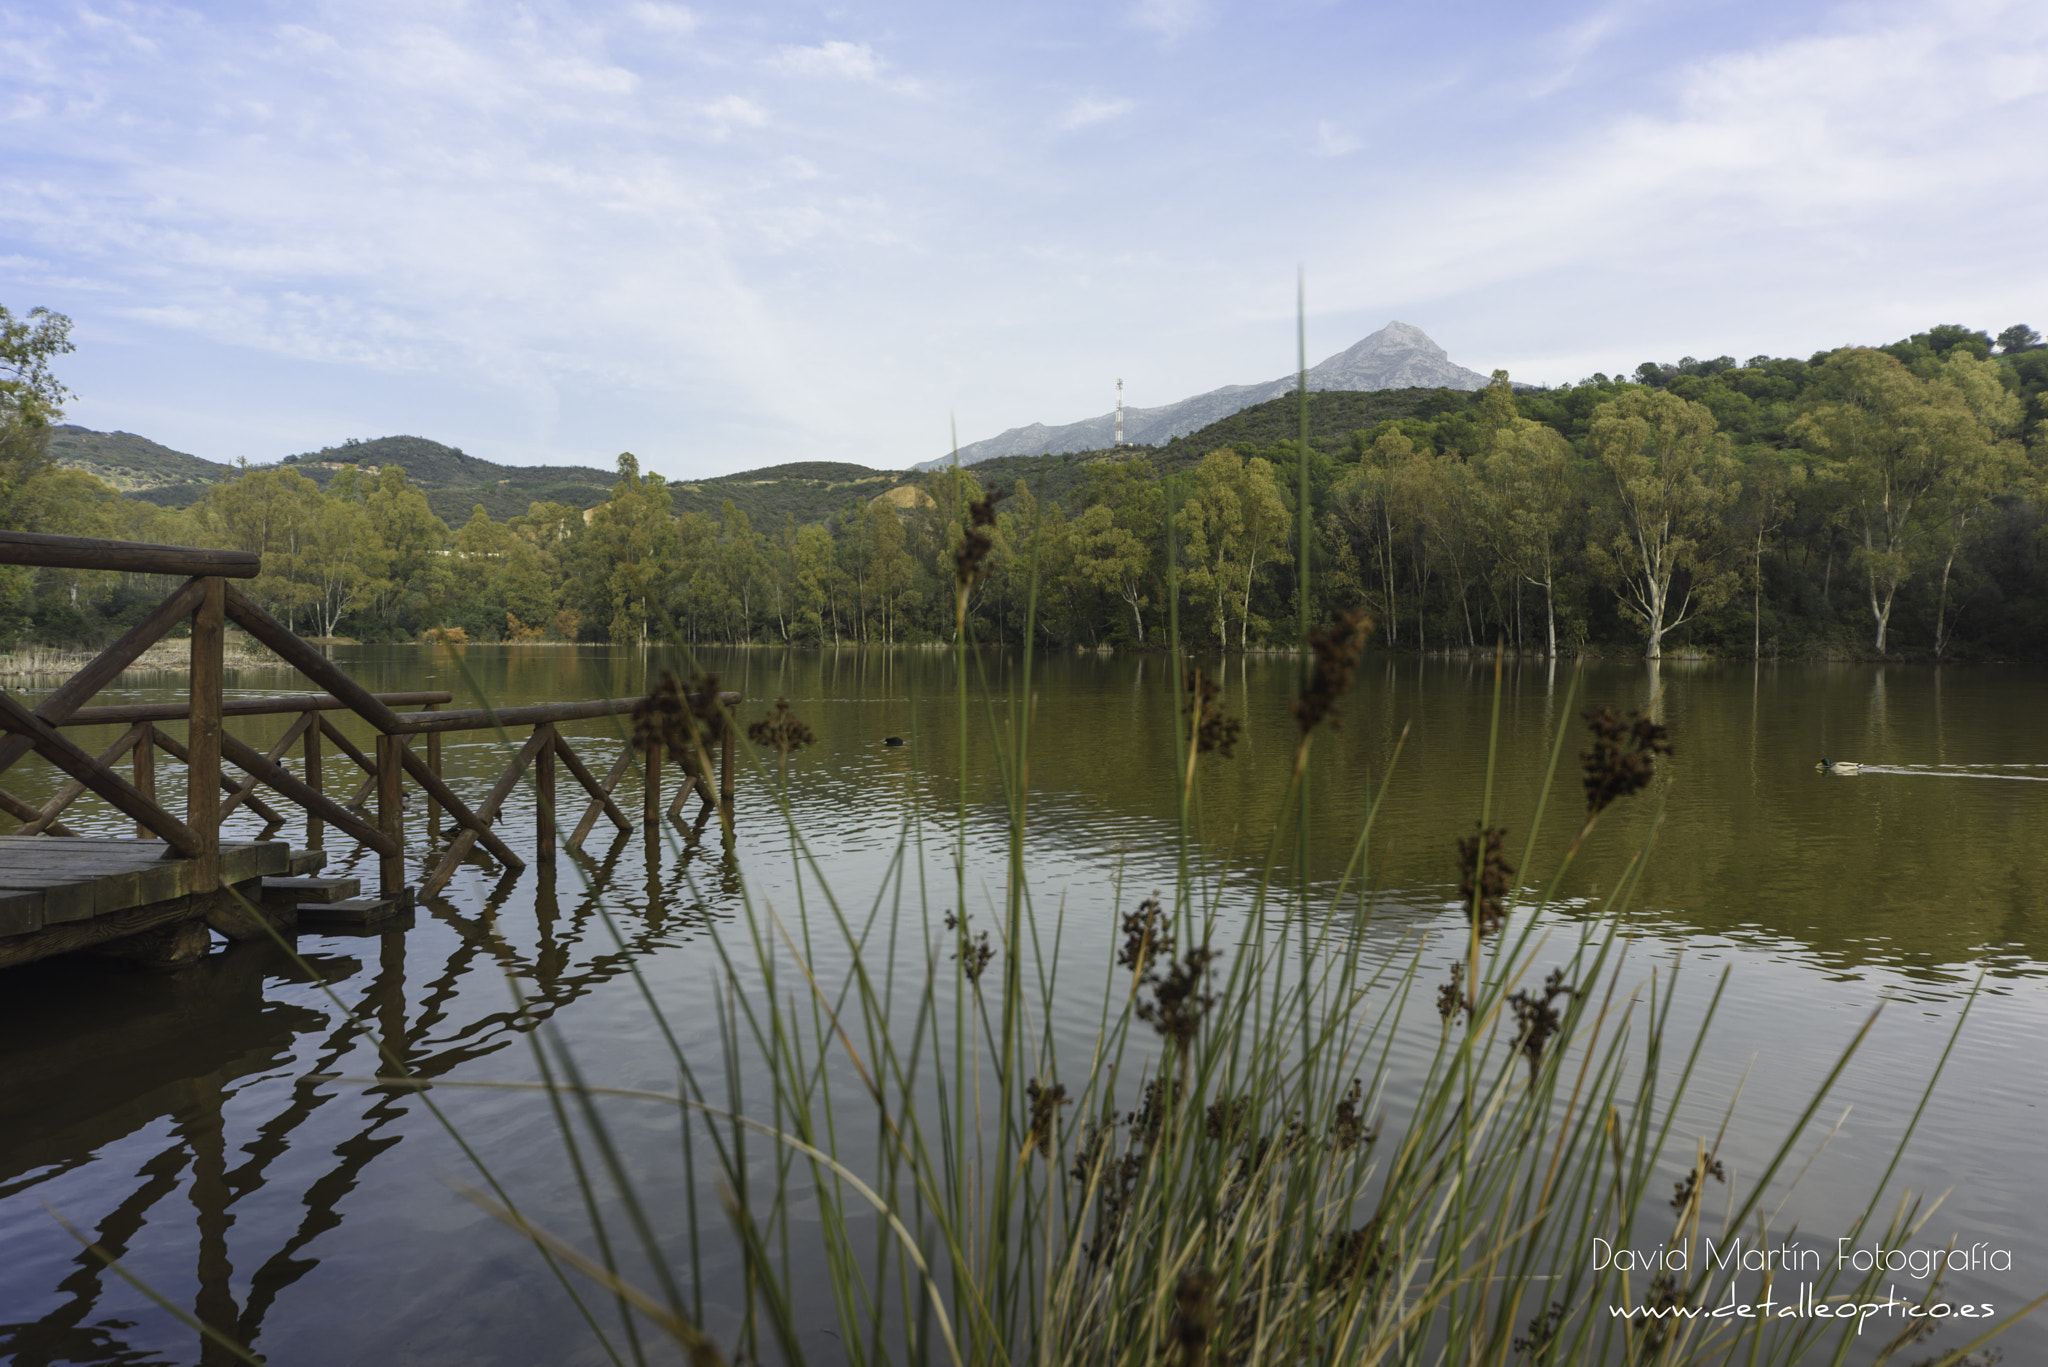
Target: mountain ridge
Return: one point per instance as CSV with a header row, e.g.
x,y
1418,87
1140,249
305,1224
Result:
x,y
1398,356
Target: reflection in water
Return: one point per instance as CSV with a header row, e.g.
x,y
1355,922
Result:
x,y
198,1125
100,1056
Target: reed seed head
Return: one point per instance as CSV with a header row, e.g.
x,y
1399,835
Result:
x,y
1044,1104
1178,1000
781,731
1336,648
1208,728
1145,936
1624,755
1451,996
1682,1192
1488,877
1537,1021
977,540
1194,1319
669,714
972,953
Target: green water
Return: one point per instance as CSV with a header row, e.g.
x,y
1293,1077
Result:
x,y
213,1125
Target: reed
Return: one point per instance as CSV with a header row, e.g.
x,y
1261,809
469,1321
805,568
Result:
x,y
1246,1164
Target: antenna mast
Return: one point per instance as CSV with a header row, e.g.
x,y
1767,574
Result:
x,y
1119,411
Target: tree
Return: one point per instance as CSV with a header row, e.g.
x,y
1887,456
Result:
x,y
2018,337
626,561
1526,503
1232,521
1672,480
31,400
1897,440
1116,536
414,539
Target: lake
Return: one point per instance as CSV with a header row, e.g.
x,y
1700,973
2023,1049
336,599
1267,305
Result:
x,y
216,1125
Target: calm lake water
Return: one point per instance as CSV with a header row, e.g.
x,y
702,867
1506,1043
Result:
x,y
213,1125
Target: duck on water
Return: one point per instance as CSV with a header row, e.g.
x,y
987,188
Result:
x,y
1838,766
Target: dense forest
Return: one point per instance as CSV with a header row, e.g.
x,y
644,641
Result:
x,y
1867,501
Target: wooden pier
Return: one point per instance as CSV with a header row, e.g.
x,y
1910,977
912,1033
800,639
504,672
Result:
x,y
154,896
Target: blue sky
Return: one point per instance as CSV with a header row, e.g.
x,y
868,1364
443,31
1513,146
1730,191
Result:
x,y
727,236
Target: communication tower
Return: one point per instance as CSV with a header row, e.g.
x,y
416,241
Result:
x,y
1119,411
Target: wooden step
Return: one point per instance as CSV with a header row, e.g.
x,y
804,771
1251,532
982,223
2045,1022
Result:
x,y
300,891
359,911
303,862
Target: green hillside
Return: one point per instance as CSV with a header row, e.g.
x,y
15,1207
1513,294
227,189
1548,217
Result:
x,y
812,490
135,465
455,481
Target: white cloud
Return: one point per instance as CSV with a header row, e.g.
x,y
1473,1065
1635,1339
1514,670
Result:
x,y
841,60
1332,141
1171,19
734,111
1089,109
664,18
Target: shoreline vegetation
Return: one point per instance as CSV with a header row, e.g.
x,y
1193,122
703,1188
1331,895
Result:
x,y
1881,503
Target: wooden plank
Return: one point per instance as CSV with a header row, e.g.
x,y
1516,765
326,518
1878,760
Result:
x,y
601,795
107,665
650,792
242,757
64,939
486,813
74,790
243,862
21,911
126,557
304,890
162,881
243,707
52,745
310,662
369,783
63,899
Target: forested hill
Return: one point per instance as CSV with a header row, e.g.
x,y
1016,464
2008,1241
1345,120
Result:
x,y
455,481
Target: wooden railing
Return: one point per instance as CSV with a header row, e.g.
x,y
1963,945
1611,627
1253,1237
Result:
x,y
210,601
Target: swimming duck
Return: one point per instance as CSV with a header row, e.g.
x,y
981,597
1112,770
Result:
x,y
892,740
1837,766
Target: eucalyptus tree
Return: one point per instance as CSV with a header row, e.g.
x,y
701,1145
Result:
x,y
1900,442
1527,507
1670,481
1232,521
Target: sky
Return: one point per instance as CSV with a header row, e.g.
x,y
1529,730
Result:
x,y
729,236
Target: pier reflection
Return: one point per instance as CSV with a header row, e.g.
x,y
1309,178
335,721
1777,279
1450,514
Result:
x,y
226,1087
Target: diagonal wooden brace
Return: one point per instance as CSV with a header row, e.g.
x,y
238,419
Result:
x,y
601,798
487,812
175,748
600,795
237,796
458,809
295,788
74,790
48,742
79,689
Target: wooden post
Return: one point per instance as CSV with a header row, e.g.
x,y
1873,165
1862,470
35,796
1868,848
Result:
x,y
390,790
650,807
316,829
202,787
145,776
544,793
433,764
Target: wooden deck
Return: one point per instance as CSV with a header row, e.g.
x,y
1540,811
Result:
x,y
73,893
